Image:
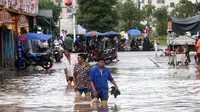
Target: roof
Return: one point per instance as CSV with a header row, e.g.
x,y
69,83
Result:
x,y
191,24
186,21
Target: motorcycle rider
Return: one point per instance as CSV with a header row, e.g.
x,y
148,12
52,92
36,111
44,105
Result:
x,y
58,42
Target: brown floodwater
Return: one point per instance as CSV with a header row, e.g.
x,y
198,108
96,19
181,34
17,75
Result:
x,y
144,88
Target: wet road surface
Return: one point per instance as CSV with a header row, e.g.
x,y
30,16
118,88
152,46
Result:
x,y
144,86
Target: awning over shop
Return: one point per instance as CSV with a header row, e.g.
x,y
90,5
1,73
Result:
x,y
34,36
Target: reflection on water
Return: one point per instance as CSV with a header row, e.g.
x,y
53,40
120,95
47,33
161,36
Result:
x,y
198,72
11,108
89,107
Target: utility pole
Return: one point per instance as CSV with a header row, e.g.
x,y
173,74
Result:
x,y
73,3
74,19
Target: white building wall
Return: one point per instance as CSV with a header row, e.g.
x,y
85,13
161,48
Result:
x,y
65,18
158,5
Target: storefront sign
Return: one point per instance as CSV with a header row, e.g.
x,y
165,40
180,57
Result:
x,y
169,26
28,6
14,26
19,53
13,4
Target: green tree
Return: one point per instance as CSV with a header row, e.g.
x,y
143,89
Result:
x,y
48,4
147,12
98,15
161,16
184,9
130,15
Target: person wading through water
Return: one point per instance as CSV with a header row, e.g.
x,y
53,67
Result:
x,y
98,78
81,75
70,61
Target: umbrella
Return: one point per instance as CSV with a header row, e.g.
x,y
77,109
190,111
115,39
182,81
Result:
x,y
94,33
33,36
81,30
134,32
111,33
122,33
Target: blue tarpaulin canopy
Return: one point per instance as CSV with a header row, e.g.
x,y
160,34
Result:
x,y
111,33
134,32
33,36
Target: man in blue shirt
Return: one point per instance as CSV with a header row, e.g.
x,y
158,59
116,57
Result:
x,y
99,77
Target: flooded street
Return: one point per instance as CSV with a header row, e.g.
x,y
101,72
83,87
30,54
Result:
x,y
144,86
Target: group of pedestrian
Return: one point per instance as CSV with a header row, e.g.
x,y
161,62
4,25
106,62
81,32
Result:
x,y
92,81
64,40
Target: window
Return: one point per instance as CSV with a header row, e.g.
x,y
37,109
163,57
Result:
x,y
70,17
172,4
149,1
58,1
160,1
69,10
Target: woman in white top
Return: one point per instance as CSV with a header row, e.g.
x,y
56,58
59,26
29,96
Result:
x,y
156,46
70,61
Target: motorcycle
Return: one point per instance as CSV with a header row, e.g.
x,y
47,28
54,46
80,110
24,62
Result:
x,y
43,59
57,52
122,45
109,55
92,55
135,46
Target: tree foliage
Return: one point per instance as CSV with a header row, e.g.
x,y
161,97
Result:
x,y
48,4
161,16
98,15
147,12
184,9
130,15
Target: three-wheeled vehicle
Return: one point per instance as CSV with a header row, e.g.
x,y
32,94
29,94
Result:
x,y
180,37
27,58
97,47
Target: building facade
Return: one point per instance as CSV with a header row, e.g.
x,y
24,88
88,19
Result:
x,y
66,17
16,17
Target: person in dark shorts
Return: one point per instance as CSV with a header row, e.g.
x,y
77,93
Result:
x,y
98,78
81,74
